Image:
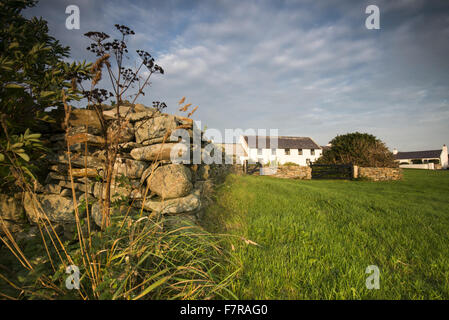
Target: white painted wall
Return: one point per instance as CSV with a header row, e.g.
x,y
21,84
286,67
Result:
x,y
279,155
428,166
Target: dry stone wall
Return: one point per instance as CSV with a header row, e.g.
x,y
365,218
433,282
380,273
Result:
x,y
143,163
289,172
379,174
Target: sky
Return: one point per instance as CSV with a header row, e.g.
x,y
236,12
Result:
x,y
306,68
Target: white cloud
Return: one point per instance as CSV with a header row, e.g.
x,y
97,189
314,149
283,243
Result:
x,y
306,68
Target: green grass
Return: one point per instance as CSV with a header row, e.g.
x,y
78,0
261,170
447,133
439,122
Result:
x,y
318,237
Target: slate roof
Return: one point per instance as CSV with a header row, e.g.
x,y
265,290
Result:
x,y
418,154
283,142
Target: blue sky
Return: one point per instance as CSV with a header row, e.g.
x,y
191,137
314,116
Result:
x,y
306,68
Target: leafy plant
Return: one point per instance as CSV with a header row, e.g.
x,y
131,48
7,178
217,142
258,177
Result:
x,y
32,74
357,148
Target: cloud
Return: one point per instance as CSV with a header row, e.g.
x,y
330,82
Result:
x,y
308,68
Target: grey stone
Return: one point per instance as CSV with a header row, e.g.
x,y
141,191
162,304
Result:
x,y
161,151
79,186
97,214
186,204
128,146
11,208
82,117
171,181
143,115
124,134
53,188
118,189
132,169
154,127
123,110
58,209
77,161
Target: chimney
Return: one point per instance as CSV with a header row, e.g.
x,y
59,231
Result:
x,y
444,157
395,151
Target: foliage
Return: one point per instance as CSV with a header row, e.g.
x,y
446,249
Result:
x,y
134,258
317,237
290,164
32,73
360,149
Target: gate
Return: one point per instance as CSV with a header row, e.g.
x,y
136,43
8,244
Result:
x,y
331,171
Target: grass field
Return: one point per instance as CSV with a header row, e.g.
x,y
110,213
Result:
x,y
318,237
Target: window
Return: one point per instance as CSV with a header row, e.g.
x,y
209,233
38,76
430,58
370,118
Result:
x,y
287,152
300,152
312,152
273,152
259,152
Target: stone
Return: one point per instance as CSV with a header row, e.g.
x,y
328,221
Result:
x,y
82,129
186,204
78,186
57,208
171,181
203,172
154,127
85,172
82,117
112,113
66,193
155,141
128,146
161,151
132,169
11,208
186,122
11,226
97,215
78,137
52,188
131,190
143,115
125,133
150,168
139,107
77,161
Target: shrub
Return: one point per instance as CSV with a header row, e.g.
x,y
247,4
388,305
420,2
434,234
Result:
x,y
360,149
32,74
290,164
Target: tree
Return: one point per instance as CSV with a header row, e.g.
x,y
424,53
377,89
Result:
x,y
32,74
357,148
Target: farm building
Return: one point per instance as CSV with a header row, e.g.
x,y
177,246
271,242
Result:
x,y
429,159
263,149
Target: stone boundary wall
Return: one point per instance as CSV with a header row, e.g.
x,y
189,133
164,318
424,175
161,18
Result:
x,y
289,172
378,174
183,190
305,173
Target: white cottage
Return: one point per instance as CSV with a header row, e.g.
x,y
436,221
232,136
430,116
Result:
x,y
422,159
299,150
